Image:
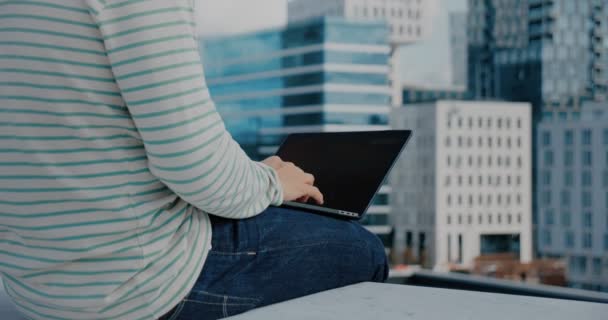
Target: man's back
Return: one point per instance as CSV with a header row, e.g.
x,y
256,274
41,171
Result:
x,y
105,126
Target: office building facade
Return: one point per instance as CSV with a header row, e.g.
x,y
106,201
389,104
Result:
x,y
404,17
572,196
417,94
463,187
459,48
552,53
320,75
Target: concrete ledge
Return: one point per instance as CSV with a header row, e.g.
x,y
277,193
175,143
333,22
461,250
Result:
x,y
390,302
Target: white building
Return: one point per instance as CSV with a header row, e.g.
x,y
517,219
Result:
x,y
572,195
404,17
463,187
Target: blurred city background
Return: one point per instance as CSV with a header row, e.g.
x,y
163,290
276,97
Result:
x,y
507,173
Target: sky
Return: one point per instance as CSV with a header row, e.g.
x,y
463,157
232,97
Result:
x,y
427,62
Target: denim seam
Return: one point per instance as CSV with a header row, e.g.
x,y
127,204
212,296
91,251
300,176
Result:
x,y
178,310
252,300
221,303
224,253
225,307
348,244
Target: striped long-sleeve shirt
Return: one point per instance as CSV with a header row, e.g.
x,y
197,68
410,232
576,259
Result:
x,y
111,156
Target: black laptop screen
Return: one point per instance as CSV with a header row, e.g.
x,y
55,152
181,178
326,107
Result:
x,y
349,167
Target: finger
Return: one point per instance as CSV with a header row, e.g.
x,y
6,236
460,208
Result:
x,y
309,179
314,193
303,199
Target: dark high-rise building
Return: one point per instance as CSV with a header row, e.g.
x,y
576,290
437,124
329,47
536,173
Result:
x,y
553,53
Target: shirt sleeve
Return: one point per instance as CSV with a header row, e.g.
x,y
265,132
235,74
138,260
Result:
x,y
154,55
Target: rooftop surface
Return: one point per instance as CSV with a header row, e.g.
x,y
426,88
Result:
x,y
392,302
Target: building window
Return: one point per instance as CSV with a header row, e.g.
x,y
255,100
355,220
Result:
x,y
569,240
549,217
605,179
548,157
597,266
546,178
565,198
586,179
568,158
566,219
587,199
546,196
569,179
587,241
546,138
518,123
606,242
547,237
569,138
587,137
587,158
606,136
587,220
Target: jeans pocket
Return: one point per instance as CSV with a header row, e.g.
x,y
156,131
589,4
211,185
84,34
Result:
x,y
206,305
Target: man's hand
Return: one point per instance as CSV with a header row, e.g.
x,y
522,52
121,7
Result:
x,y
297,184
274,162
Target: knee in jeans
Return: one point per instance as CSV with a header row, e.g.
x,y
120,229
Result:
x,y
378,258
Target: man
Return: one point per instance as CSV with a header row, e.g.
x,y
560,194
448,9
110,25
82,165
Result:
x,y
122,196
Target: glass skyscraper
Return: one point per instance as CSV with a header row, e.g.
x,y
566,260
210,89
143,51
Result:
x,y
553,53
322,75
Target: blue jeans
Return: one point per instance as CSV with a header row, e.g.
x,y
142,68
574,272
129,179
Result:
x,y
279,255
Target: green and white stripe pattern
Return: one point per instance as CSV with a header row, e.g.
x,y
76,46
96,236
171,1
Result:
x,y
111,156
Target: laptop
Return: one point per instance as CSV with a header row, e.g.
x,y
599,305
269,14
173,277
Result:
x,y
349,167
